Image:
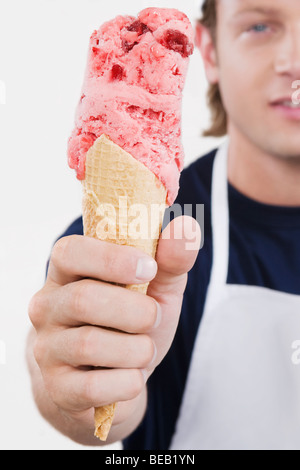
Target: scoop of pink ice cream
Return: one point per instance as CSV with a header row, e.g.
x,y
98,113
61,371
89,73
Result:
x,y
132,92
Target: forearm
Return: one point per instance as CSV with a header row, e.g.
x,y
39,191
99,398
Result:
x,y
80,427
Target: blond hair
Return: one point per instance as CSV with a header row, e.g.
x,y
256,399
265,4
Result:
x,y
218,127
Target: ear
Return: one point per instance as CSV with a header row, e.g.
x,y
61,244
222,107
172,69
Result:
x,y
207,48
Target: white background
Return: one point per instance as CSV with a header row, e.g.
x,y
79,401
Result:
x,y
43,45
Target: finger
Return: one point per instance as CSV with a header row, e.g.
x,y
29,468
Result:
x,y
74,390
89,302
177,251
77,257
98,347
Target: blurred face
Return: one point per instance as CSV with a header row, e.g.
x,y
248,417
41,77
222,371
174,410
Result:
x,y
258,48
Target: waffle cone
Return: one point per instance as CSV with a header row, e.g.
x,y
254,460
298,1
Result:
x,y
123,203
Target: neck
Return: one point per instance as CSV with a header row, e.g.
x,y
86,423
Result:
x,y
263,177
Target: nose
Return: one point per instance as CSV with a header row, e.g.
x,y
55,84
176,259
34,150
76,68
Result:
x,y
288,57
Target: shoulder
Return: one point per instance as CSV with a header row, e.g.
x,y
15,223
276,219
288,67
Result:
x,y
195,181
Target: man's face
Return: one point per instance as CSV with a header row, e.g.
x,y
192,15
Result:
x,y
258,50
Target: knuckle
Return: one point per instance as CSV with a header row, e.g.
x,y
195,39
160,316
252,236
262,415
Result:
x,y
36,309
136,384
85,344
60,251
79,298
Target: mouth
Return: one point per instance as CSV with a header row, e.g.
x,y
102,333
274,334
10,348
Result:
x,y
287,107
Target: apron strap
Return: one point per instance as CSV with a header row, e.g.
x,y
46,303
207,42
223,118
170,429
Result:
x,y
220,217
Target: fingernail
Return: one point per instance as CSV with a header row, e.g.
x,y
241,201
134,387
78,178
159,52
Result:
x,y
159,315
146,269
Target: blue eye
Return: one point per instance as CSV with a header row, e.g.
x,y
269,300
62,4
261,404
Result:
x,y
259,28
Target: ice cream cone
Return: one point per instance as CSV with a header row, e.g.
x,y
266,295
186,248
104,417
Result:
x,y
123,203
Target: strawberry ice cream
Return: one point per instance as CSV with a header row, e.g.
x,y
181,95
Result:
x,y
132,92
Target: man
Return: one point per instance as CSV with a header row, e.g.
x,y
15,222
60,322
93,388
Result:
x,y
227,379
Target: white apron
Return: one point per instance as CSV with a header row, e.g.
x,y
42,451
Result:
x,y
243,390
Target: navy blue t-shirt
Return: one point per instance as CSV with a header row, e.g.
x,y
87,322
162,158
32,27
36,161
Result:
x,y
264,251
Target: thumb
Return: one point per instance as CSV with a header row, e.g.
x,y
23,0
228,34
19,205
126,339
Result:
x,y
177,251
